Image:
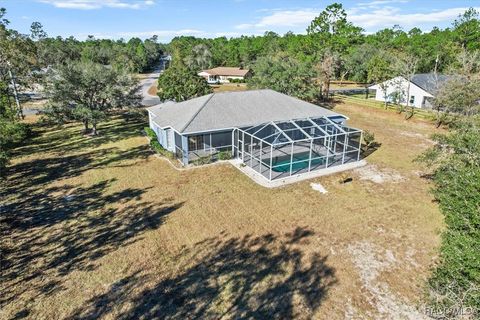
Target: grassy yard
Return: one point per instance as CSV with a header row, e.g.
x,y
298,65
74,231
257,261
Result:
x,y
229,87
101,228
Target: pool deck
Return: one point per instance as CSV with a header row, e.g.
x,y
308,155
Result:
x,y
261,180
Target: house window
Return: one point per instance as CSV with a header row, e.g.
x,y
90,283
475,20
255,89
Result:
x,y
195,143
412,99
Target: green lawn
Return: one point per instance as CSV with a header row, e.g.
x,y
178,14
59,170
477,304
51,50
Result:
x,y
101,228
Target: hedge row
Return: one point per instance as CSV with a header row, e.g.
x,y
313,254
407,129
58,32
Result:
x,y
155,145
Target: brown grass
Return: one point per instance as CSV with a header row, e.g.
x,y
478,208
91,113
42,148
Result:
x,y
153,89
230,87
100,228
346,85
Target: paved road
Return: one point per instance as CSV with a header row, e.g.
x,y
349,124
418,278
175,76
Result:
x,y
30,111
147,99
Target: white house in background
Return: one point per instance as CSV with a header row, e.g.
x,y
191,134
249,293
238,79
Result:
x,y
423,88
224,74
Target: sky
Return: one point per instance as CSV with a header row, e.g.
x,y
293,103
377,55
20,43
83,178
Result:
x,y
213,18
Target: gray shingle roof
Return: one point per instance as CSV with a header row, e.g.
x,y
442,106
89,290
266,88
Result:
x,y
429,82
233,109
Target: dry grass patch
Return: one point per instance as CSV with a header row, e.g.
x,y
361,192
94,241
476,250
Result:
x,y
229,87
101,228
153,89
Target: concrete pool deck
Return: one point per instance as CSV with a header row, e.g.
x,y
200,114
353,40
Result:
x,y
261,180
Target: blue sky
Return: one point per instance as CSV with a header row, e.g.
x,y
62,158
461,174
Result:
x,y
208,18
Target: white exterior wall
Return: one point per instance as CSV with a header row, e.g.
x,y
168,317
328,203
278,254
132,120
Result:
x,y
162,135
221,79
401,84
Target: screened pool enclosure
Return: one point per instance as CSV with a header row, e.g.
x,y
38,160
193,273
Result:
x,y
279,149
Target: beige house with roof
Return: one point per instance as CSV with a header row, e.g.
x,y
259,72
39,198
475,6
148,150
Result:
x,y
224,74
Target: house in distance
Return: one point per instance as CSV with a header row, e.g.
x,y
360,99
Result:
x,y
423,88
224,74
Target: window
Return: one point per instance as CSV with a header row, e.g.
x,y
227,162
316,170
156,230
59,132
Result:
x,y
221,139
195,143
412,99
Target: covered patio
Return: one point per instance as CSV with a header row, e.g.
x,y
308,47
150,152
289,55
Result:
x,y
280,149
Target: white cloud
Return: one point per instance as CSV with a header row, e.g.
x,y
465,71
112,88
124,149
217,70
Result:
x,y
285,18
371,16
387,17
159,33
98,4
379,3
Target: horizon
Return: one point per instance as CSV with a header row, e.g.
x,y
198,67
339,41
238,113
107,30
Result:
x,y
125,19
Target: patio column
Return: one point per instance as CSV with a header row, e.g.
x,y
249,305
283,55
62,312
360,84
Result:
x,y
260,157
327,144
271,154
291,160
233,142
185,150
345,142
310,156
243,147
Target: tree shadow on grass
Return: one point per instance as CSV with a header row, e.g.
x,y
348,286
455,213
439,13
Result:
x,y
68,228
264,277
70,137
49,228
29,176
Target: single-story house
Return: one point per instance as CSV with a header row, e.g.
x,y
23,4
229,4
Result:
x,y
423,88
273,133
224,74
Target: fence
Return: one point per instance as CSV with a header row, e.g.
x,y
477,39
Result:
x,y
421,113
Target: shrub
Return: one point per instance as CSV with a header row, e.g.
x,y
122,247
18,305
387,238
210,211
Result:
x,y
12,134
150,133
224,155
368,138
236,80
156,146
202,160
455,159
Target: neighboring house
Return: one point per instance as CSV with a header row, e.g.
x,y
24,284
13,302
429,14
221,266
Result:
x,y
275,134
224,74
423,88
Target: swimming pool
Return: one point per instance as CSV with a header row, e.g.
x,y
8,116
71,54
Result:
x,y
282,164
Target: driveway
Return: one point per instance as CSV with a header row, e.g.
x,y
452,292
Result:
x,y
148,99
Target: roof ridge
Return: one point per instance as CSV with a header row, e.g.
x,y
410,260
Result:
x,y
244,91
198,111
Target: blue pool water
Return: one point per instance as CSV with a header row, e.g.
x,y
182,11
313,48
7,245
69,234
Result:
x,y
283,163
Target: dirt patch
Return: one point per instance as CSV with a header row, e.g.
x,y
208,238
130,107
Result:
x,y
153,89
376,175
413,135
370,260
